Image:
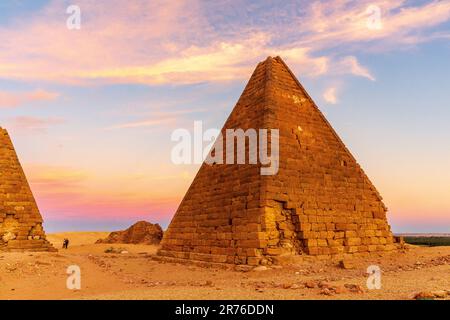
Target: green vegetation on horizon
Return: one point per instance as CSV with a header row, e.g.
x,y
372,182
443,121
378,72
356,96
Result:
x,y
428,241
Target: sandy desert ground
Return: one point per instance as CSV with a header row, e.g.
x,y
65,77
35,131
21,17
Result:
x,y
133,274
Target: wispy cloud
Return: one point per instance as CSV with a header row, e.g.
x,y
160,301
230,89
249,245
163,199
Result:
x,y
330,95
55,179
344,23
156,118
16,99
351,65
32,124
194,43
142,123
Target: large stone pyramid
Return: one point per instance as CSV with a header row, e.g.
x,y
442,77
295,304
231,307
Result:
x,y
20,220
320,203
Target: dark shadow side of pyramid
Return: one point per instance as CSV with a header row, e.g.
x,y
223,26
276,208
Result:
x,y
20,219
320,203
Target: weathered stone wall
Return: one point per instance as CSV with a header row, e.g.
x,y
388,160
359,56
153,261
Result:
x,y
335,207
219,219
320,202
20,220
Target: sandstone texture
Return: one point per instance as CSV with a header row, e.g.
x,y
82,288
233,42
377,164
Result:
x,y
321,203
20,219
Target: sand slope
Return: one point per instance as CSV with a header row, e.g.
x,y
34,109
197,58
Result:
x,y
76,238
134,275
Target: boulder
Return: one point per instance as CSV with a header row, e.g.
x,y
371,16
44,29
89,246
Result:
x,y
8,236
142,232
424,295
345,264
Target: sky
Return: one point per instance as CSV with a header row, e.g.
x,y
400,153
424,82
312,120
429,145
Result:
x,y
91,110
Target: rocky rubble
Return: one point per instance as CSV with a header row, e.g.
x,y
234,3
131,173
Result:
x,y
432,295
142,232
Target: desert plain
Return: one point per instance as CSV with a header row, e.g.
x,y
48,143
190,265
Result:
x,y
125,271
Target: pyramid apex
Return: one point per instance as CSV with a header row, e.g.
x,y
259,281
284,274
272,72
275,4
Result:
x,y
269,58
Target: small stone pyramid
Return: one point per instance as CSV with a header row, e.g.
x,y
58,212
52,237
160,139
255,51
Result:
x,y
20,220
320,203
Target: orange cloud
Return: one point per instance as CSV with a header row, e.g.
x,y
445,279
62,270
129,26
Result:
x,y
55,178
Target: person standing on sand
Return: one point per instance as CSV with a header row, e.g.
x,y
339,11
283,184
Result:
x,y
65,243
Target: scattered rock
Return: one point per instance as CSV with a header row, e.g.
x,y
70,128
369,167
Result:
x,y
8,236
260,268
287,285
113,250
326,292
424,295
354,288
440,294
345,264
276,267
340,290
324,285
10,268
243,268
310,284
206,283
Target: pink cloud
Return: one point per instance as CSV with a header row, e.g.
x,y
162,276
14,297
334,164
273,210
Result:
x,y
333,23
351,65
330,95
74,193
142,123
34,124
159,42
16,99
